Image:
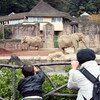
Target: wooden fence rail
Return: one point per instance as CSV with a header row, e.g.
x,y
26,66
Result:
x,y
51,93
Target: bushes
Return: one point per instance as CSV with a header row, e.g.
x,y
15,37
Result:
x,y
6,34
58,81
6,82
6,85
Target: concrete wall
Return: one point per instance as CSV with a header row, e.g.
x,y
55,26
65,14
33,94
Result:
x,y
91,31
19,30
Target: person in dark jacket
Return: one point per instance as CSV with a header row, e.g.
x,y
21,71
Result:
x,y
30,86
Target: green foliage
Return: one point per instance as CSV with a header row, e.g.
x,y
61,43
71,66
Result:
x,y
1,35
58,80
74,7
16,6
6,84
6,34
77,7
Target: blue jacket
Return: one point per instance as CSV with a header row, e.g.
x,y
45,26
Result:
x,y
32,85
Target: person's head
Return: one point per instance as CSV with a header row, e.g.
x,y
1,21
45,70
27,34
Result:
x,y
85,55
27,70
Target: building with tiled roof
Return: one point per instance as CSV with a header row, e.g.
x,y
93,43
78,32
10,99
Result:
x,y
41,13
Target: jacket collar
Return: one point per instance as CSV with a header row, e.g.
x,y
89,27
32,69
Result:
x,y
89,64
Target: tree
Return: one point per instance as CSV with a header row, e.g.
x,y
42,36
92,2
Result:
x,y
97,5
17,6
76,7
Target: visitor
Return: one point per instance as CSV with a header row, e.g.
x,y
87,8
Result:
x,y
30,86
85,58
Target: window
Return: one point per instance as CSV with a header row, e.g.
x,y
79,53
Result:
x,y
56,19
31,19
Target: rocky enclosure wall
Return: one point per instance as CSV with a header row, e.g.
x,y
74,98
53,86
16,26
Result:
x,y
15,44
18,31
12,44
90,29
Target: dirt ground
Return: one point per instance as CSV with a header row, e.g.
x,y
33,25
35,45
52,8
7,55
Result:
x,y
41,52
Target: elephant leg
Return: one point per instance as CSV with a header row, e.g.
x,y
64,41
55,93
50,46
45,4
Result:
x,y
75,46
75,49
28,47
22,47
36,47
63,50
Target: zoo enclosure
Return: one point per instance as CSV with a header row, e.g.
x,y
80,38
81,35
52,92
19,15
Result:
x,y
48,35
15,44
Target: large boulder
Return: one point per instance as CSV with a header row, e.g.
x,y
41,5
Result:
x,y
57,56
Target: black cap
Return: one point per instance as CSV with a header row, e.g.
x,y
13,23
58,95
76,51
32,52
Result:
x,y
84,55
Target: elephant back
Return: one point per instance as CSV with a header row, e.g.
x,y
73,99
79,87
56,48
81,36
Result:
x,y
64,41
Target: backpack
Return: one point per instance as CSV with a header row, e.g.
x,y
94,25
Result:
x,y
95,81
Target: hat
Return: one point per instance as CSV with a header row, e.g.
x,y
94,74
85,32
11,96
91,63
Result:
x,y
84,55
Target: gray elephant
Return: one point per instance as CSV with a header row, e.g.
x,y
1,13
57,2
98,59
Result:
x,y
32,41
71,40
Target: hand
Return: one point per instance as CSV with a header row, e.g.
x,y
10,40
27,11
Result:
x,y
35,69
75,64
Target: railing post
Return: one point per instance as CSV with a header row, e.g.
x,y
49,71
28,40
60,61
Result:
x,y
14,83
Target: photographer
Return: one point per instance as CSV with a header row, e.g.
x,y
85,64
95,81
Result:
x,y
77,81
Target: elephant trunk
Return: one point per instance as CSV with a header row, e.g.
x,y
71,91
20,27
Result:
x,y
84,42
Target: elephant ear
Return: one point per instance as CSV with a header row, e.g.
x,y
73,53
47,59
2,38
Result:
x,y
75,37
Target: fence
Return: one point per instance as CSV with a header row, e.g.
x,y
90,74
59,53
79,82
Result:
x,y
51,93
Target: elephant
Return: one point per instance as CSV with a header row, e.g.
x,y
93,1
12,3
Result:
x,y
34,41
71,40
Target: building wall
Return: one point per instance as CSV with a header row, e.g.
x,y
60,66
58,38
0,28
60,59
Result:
x,y
58,26
16,21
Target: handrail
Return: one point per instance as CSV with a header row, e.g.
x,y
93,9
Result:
x,y
51,93
38,64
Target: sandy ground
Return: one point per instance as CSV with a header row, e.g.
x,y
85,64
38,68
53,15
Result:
x,y
5,54
41,52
